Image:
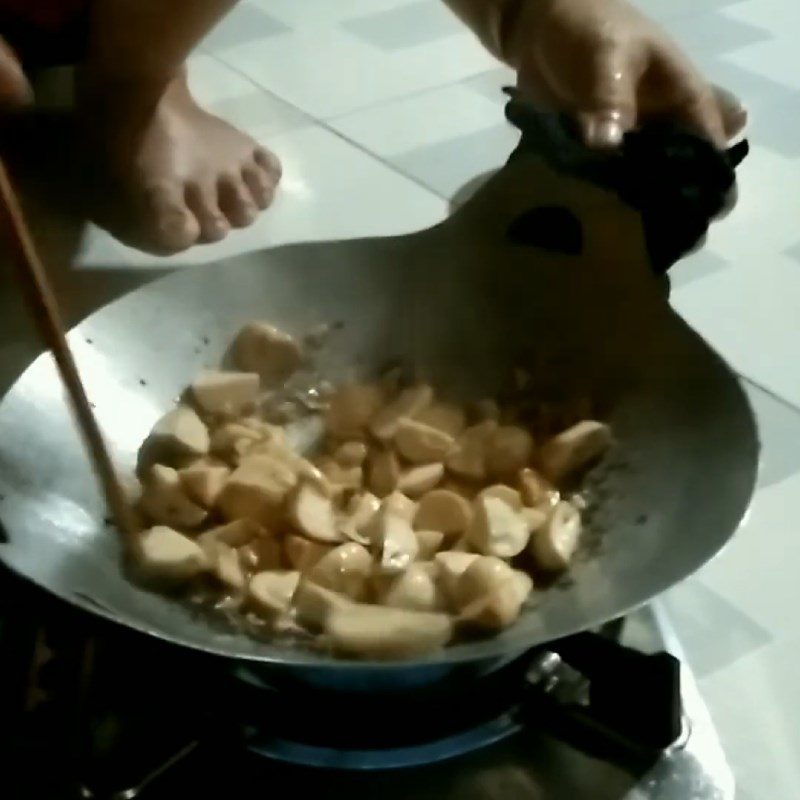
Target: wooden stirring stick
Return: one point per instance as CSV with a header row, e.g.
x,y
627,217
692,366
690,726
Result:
x,y
44,310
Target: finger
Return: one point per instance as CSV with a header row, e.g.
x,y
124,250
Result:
x,y
534,90
202,202
606,105
687,97
14,86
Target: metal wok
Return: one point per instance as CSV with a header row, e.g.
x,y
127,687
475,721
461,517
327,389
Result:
x,y
463,305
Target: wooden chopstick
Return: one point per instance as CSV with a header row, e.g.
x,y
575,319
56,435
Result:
x,y
47,318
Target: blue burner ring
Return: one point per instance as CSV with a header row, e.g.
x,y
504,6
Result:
x,y
389,758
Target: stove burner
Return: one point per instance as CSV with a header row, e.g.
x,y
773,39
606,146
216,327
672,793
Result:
x,y
607,699
91,715
430,752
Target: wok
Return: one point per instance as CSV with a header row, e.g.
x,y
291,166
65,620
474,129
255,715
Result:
x,y
463,304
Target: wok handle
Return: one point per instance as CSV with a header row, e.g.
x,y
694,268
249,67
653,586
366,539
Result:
x,y
43,308
677,182
632,710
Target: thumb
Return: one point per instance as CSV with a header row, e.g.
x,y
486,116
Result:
x,y
608,108
14,87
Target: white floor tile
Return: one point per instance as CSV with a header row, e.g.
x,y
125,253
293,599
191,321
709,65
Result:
x,y
241,102
764,222
757,572
328,72
440,115
755,705
329,190
750,314
442,138
714,33
323,13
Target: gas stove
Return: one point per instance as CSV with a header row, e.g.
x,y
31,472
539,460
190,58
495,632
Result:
x,y
94,712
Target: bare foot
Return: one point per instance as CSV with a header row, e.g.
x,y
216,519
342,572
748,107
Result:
x,y
185,175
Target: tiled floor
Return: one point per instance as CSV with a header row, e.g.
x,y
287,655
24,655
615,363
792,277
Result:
x,y
382,109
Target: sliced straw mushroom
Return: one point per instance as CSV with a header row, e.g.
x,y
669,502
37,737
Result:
x,y
336,479
308,471
234,534
311,512
420,443
232,440
554,544
270,592
165,501
451,566
379,632
496,529
204,481
383,472
483,576
350,454
511,497
574,449
415,589
483,410
430,542
467,459
262,553
397,503
535,518
496,610
361,508
164,554
226,566
345,569
332,478
393,541
351,408
467,489
256,490
229,393
508,450
313,604
443,510
446,417
524,584
263,429
301,553
179,432
462,545
262,348
408,403
420,479
536,491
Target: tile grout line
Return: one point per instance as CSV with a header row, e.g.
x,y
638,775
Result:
x,y
357,109
325,123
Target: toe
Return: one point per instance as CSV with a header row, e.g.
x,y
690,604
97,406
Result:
x,y
202,200
269,162
235,200
260,184
171,227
